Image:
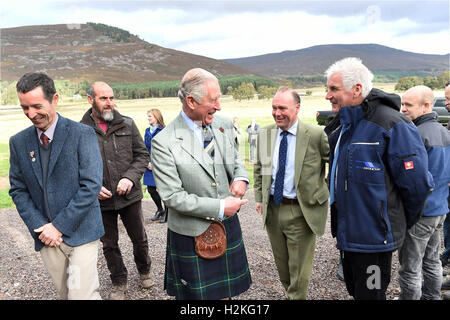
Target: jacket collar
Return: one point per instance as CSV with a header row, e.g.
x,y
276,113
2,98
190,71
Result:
x,y
89,119
425,118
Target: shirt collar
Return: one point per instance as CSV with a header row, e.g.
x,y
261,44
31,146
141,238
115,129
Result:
x,y
50,130
193,125
292,130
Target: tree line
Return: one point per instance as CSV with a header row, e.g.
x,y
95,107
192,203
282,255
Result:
x,y
432,82
154,89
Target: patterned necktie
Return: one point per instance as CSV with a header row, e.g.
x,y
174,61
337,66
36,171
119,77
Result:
x,y
279,178
44,139
208,141
334,166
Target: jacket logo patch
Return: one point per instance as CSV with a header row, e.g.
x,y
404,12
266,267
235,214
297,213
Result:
x,y
367,165
409,165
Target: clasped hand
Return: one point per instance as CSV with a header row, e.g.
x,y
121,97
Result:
x,y
49,235
233,204
123,188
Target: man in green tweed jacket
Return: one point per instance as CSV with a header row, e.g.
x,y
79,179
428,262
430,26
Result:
x,y
199,187
294,209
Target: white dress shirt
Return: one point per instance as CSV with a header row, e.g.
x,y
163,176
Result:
x,y
289,186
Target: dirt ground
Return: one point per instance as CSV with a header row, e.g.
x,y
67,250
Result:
x,y
23,276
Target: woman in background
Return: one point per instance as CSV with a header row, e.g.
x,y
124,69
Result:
x,y
156,121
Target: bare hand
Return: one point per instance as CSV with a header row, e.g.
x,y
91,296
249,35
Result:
x,y
238,188
259,207
104,194
50,236
232,205
124,186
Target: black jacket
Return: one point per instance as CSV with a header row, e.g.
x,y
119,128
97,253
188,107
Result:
x,y
124,156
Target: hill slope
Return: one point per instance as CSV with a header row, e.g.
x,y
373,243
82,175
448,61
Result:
x,y
96,52
315,60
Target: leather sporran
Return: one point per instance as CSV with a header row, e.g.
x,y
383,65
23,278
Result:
x,y
212,243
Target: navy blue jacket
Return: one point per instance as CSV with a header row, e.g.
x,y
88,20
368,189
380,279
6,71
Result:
x,y
437,143
148,174
74,181
382,176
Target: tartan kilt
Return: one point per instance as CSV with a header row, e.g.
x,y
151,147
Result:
x,y
190,277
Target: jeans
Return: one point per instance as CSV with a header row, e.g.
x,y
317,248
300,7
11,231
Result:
x,y
420,252
133,222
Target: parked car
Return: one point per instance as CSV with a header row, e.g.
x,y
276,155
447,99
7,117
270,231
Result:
x,y
325,116
440,108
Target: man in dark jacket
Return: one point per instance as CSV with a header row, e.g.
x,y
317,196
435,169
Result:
x,y
379,179
125,158
419,254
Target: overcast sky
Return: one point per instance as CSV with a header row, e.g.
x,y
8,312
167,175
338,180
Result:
x,y
233,29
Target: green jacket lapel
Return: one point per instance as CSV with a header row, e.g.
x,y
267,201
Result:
x,y
302,141
192,146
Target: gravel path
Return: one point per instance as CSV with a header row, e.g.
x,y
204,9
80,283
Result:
x,y
23,276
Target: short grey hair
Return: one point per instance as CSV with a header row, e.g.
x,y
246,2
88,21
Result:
x,y
192,84
353,72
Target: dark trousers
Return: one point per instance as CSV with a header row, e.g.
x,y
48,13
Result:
x,y
134,224
155,197
367,275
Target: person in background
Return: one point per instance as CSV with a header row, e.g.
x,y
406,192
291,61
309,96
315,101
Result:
x,y
419,254
445,255
236,132
156,122
125,158
55,176
201,179
290,190
252,131
379,179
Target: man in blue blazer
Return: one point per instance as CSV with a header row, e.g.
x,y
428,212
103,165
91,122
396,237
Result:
x,y
55,176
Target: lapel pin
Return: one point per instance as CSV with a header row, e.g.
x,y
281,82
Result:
x,y
32,156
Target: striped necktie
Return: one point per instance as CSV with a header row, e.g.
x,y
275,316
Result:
x,y
208,141
44,139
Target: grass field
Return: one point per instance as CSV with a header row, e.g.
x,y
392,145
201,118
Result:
x,y
13,121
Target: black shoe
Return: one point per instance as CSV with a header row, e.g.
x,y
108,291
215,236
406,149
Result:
x,y
163,217
446,285
157,215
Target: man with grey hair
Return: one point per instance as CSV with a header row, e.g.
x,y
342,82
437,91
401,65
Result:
x,y
420,250
201,179
379,179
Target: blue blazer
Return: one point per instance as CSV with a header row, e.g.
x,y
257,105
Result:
x,y
75,174
148,174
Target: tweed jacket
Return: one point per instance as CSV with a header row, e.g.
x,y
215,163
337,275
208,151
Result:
x,y
73,183
189,182
311,155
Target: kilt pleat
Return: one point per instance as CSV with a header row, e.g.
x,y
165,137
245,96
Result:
x,y
190,277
